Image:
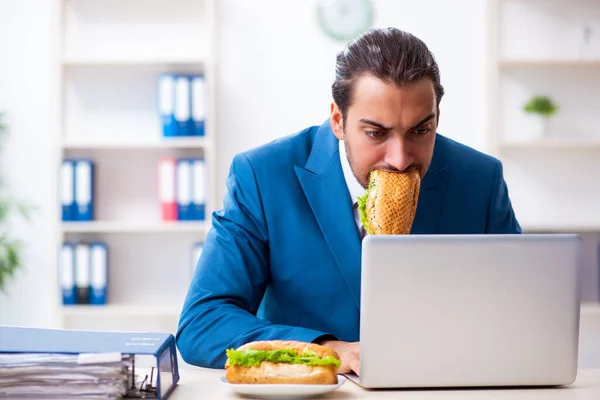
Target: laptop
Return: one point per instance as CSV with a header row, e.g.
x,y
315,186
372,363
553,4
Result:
x,y
469,310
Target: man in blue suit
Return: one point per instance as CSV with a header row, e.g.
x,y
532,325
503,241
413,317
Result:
x,y
282,259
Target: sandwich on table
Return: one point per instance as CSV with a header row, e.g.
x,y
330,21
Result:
x,y
282,361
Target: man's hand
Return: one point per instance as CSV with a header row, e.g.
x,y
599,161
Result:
x,y
349,353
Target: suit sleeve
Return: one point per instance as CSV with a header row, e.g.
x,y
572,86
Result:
x,y
230,279
501,216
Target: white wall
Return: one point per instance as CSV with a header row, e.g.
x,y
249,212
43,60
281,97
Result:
x,y
553,188
275,71
26,90
276,67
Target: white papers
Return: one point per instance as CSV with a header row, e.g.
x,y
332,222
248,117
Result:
x,y
94,358
43,375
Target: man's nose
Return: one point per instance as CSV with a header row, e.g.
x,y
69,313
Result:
x,y
397,155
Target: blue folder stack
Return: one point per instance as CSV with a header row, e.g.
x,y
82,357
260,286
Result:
x,y
83,273
182,104
77,189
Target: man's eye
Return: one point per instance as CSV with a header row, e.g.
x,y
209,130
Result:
x,y
375,134
422,131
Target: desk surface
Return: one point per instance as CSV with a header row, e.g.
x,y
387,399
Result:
x,y
200,383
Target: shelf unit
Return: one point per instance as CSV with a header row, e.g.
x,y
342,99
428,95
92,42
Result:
x,y
199,227
591,309
549,144
148,60
173,143
539,47
120,311
579,227
111,55
548,48
548,63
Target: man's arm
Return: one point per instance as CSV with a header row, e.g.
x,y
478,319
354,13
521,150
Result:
x,y
231,278
501,217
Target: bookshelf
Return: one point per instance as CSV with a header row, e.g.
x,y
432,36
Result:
x,y
549,48
549,144
111,55
548,62
141,61
134,227
158,143
120,311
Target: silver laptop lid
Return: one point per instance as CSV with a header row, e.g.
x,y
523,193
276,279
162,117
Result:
x,y
469,310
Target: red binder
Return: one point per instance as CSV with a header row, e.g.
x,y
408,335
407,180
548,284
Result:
x,y
167,189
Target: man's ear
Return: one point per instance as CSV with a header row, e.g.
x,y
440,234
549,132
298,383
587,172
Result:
x,y
337,121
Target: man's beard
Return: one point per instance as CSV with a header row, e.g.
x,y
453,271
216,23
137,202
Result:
x,y
364,182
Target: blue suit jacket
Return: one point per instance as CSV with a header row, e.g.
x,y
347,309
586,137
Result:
x,y
286,242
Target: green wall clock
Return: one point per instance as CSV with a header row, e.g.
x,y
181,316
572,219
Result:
x,y
345,19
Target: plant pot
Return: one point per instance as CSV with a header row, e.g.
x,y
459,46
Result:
x,y
538,127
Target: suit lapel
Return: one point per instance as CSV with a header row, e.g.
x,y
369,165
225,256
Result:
x,y
324,186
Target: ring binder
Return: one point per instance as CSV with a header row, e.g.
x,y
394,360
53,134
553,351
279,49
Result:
x,y
68,351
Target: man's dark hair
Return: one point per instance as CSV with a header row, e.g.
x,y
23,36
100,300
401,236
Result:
x,y
389,54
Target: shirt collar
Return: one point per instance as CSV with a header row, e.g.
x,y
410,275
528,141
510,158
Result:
x,y
354,187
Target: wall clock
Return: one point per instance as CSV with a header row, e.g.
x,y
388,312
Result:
x,y
345,19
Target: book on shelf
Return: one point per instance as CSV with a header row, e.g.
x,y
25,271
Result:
x,y
83,273
182,104
182,189
77,189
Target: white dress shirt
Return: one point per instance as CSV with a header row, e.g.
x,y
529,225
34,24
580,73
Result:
x,y
354,187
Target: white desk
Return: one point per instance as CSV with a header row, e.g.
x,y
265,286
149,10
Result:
x,y
200,383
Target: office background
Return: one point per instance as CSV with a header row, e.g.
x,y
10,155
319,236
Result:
x,y
78,79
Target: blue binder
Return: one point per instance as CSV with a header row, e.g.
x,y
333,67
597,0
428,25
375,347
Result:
x,y
166,104
159,345
84,189
183,109
199,106
198,189
184,189
67,190
82,273
67,273
98,273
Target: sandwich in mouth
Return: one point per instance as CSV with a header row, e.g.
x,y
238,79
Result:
x,y
282,362
390,203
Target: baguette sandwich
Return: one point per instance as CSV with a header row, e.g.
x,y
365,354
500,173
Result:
x,y
390,203
282,362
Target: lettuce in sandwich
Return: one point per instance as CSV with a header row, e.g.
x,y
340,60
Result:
x,y
252,358
362,208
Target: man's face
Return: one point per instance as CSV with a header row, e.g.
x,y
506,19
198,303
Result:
x,y
388,127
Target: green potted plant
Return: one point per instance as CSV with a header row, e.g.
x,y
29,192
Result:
x,y
541,109
10,247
